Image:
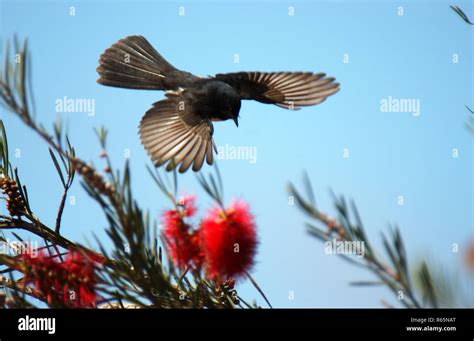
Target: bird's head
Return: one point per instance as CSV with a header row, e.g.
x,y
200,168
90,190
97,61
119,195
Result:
x,y
233,110
229,103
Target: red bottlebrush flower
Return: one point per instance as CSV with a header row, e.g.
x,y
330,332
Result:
x,y
183,243
71,282
81,280
229,240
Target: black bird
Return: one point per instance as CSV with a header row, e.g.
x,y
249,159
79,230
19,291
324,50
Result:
x,y
179,129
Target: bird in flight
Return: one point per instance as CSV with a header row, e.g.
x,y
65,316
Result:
x,y
177,131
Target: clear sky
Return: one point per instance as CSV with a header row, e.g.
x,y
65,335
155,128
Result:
x,y
372,50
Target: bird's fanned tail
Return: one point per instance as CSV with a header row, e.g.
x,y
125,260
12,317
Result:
x,y
134,64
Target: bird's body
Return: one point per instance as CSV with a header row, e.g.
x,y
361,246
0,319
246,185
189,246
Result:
x,y
178,130
214,98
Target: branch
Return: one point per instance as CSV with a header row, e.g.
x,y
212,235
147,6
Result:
x,y
395,276
40,230
8,283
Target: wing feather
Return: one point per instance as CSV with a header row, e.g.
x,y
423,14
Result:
x,y
199,159
290,90
179,137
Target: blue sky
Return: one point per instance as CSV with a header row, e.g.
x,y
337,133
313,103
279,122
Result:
x,y
391,154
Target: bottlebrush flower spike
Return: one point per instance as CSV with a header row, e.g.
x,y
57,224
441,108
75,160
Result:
x,y
71,282
183,243
229,240
81,279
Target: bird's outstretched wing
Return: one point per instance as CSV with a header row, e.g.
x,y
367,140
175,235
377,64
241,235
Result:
x,y
289,90
172,132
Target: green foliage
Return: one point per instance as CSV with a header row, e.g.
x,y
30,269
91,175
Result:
x,y
395,273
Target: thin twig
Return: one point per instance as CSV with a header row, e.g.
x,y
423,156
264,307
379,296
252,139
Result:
x,y
61,209
254,283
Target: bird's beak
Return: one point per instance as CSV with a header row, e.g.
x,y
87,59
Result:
x,y
236,121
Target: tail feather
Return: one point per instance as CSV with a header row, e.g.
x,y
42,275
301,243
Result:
x,y
133,63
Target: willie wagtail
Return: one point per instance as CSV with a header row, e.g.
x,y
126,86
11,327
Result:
x,y
178,130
